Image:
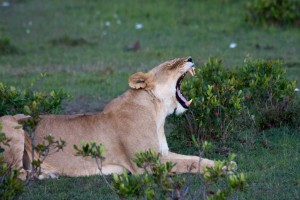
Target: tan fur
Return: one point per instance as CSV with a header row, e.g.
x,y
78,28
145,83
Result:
x,y
13,154
130,123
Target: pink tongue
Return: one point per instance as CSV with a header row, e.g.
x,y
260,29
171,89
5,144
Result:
x,y
180,95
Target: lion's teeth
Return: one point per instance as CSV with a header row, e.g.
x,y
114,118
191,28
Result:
x,y
192,71
188,103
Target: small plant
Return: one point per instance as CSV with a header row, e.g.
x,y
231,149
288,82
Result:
x,y
4,141
222,180
92,150
6,47
48,147
278,12
158,181
95,151
10,185
68,41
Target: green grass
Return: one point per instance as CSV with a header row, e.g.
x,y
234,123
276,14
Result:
x,y
270,161
96,70
170,29
70,188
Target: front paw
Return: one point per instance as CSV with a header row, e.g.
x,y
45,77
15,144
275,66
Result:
x,y
44,175
164,152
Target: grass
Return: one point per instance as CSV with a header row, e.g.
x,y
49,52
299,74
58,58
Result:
x,y
265,158
269,158
72,42
70,188
271,162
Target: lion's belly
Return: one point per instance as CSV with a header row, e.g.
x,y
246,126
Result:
x,y
78,166
66,162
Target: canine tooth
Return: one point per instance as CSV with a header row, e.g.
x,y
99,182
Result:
x,y
192,71
189,102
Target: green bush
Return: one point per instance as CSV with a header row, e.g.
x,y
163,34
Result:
x,y
278,12
269,96
14,101
225,100
217,102
158,181
6,47
29,101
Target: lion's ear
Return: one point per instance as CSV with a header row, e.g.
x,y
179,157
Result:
x,y
140,80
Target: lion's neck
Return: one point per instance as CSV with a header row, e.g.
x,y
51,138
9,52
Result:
x,y
163,109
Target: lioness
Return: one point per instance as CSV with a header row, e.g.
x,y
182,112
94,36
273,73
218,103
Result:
x,y
130,123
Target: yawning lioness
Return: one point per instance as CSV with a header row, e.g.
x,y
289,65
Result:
x,y
131,123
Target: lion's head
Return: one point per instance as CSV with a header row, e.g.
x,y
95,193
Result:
x,y
164,82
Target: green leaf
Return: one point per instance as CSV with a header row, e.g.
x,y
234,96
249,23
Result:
x,y
27,110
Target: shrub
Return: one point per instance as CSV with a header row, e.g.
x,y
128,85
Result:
x,y
29,101
269,96
278,12
217,102
226,100
6,47
33,103
158,181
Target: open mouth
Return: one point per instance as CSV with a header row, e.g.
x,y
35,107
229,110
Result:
x,y
180,98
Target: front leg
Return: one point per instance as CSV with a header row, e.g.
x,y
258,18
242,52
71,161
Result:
x,y
187,164
163,145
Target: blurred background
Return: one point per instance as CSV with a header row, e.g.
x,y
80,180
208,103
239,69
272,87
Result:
x,y
89,48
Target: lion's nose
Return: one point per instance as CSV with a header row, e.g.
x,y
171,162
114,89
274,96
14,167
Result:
x,y
190,59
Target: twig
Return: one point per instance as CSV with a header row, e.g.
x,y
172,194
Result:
x,y
99,165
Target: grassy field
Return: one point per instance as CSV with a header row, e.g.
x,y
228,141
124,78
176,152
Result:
x,y
271,162
83,47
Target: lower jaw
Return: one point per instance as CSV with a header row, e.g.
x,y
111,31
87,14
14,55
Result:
x,y
181,102
180,109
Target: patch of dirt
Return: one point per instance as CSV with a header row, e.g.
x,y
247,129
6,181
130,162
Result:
x,y
84,104
68,41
